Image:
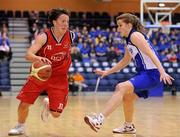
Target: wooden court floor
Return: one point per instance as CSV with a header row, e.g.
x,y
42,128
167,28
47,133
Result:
x,y
154,117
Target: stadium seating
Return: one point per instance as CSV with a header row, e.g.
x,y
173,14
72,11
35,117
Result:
x,y
4,76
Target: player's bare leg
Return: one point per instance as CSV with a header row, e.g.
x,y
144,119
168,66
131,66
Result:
x,y
45,112
117,97
128,106
55,114
23,111
96,121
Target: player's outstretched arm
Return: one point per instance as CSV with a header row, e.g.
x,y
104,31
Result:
x,y
120,65
139,40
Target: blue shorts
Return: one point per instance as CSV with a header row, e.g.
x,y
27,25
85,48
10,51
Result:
x,y
144,81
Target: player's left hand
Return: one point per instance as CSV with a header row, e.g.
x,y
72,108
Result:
x,y
102,73
166,78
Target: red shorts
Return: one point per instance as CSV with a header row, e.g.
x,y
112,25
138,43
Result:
x,y
56,88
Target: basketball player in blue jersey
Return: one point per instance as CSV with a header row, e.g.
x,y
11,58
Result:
x,y
150,73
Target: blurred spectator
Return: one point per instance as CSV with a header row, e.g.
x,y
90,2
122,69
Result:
x,y
34,17
84,20
72,87
101,50
111,55
162,55
93,54
4,28
76,54
172,57
174,46
34,32
85,51
44,28
79,81
112,23
80,43
92,32
5,49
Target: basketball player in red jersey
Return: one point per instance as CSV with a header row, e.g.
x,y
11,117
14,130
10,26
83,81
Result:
x,y
53,47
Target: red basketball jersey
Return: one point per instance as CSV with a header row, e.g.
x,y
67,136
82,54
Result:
x,y
58,52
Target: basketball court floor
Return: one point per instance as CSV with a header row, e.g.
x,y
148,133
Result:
x,y
154,117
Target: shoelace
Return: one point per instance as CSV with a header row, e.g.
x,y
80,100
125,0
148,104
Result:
x,y
126,127
17,127
97,117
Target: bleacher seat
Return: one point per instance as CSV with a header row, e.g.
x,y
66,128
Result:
x,y
71,69
175,65
42,14
89,69
178,70
80,69
126,70
2,16
10,14
113,83
25,14
106,68
90,76
120,76
133,70
131,64
4,76
18,14
113,64
91,82
96,64
105,64
103,82
77,64
170,70
87,64
166,64
111,76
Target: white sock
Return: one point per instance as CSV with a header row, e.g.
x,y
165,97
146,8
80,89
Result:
x,y
21,124
129,124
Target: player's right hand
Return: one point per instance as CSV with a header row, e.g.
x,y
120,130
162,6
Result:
x,y
102,73
45,60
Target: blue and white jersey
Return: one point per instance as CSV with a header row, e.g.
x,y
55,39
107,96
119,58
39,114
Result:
x,y
141,60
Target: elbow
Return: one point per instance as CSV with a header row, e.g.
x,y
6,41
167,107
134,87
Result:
x,y
27,56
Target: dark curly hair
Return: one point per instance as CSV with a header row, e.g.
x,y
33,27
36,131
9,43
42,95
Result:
x,y
55,13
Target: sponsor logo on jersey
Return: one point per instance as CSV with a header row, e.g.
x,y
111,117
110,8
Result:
x,y
59,56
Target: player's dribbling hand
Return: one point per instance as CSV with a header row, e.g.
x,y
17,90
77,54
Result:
x,y
166,78
101,73
45,60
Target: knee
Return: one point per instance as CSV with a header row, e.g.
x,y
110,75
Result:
x,y
55,114
23,106
120,87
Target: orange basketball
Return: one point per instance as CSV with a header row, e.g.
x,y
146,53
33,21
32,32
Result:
x,y
40,70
